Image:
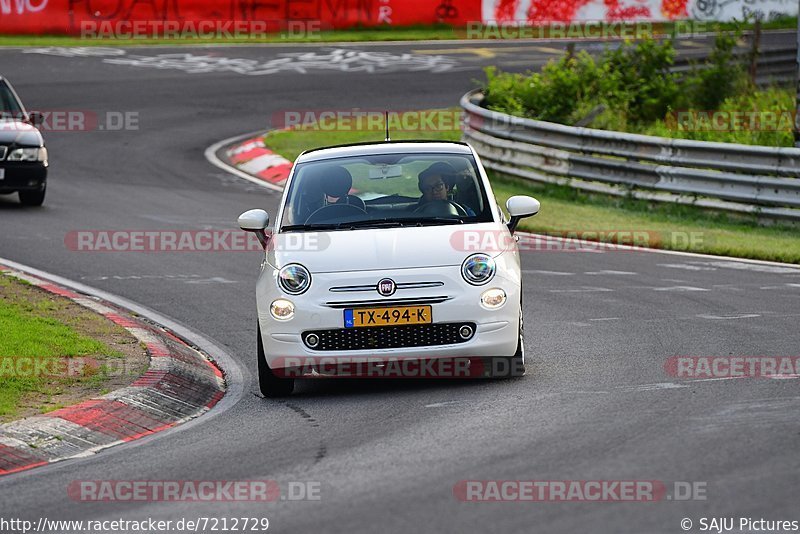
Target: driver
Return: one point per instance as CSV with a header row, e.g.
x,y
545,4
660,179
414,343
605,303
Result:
x,y
433,184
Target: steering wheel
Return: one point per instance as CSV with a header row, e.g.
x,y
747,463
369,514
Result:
x,y
333,212
441,208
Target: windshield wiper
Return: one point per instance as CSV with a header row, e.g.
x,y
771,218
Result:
x,y
314,226
382,223
399,222
373,223
421,221
349,225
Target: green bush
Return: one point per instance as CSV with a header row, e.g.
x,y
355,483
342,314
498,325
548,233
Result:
x,y
720,78
759,124
630,88
633,79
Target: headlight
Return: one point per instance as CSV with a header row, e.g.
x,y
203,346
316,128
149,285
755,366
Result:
x,y
294,279
478,269
25,154
282,309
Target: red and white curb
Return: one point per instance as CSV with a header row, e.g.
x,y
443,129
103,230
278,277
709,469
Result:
x,y
180,384
254,158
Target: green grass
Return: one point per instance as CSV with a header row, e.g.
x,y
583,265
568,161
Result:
x,y
567,212
436,32
290,143
31,334
669,226
766,118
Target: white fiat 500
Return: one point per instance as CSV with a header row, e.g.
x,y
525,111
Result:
x,y
384,252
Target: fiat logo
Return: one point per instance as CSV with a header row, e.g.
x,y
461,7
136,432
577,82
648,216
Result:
x,y
386,287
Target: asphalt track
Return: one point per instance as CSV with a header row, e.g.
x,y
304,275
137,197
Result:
x,y
595,405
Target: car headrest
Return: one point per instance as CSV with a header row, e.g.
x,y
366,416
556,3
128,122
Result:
x,y
337,182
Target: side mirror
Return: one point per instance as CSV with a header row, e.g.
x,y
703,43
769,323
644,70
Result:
x,y
255,221
520,207
35,118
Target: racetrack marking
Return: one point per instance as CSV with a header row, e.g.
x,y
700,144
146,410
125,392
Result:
x,y
185,278
327,59
781,286
583,290
728,317
443,404
214,280
553,273
687,266
490,53
717,379
679,288
606,319
751,267
727,287
612,272
652,387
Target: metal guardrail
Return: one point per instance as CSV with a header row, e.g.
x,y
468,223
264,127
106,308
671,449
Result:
x,y
774,65
741,178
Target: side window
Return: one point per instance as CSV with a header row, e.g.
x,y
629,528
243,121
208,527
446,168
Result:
x,y
8,104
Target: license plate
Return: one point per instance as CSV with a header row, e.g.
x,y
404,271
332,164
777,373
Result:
x,y
387,316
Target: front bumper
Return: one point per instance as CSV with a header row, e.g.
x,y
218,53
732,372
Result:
x,y
22,176
496,332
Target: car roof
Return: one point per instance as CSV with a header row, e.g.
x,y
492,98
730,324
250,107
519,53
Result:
x,y
386,147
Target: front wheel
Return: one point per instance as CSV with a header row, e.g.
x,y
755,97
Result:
x,y
271,386
32,198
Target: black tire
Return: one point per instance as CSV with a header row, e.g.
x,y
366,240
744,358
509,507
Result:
x,y
270,385
32,198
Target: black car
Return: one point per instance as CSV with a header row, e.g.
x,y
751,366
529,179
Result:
x,y
23,156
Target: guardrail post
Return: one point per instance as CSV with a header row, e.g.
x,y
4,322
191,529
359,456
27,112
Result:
x,y
754,49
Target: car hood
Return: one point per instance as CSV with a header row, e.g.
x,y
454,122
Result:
x,y
387,248
19,133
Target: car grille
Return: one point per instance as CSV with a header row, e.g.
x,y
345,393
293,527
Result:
x,y
389,337
374,287
387,302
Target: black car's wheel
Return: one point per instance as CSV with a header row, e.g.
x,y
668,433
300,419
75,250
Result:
x,y
32,198
269,384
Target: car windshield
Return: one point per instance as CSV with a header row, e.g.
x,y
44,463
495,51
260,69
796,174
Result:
x,y
385,190
9,106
